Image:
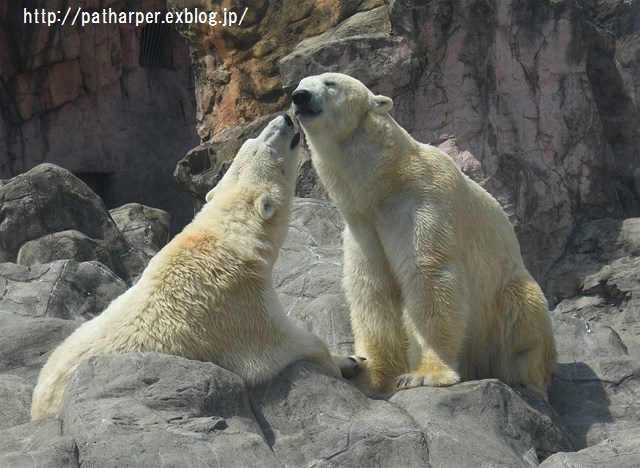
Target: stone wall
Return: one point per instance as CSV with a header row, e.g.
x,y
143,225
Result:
x,y
77,96
537,101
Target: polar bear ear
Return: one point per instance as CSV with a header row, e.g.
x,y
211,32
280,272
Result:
x,y
209,195
381,104
266,207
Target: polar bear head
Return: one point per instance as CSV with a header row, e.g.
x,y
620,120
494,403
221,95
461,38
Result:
x,y
333,104
264,170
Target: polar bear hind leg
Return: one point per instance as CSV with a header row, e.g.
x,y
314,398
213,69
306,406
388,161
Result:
x,y
528,350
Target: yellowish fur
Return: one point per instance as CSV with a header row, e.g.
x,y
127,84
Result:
x,y
433,272
208,294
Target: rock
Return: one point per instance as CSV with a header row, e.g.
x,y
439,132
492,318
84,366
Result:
x,y
236,68
85,98
48,200
621,451
70,244
308,271
203,166
146,228
310,419
15,400
62,289
595,384
39,443
25,347
483,423
351,47
139,408
597,278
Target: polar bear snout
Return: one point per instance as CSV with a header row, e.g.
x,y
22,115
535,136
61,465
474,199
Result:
x,y
306,103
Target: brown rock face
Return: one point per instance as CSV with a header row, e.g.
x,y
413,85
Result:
x,y
536,101
236,67
81,97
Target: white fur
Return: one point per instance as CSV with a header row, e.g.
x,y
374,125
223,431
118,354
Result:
x,y
433,271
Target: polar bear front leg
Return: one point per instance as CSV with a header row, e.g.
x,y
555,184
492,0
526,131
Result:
x,y
436,314
375,306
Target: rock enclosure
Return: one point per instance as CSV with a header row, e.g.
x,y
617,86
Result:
x,y
143,408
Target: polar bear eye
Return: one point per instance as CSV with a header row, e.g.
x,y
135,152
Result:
x,y
330,84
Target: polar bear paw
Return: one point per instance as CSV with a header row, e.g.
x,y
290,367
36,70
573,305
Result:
x,y
436,378
350,366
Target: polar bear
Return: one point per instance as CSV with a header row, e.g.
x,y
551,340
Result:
x,y
208,294
433,273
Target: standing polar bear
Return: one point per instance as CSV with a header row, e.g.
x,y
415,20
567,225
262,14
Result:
x,y
208,294
433,272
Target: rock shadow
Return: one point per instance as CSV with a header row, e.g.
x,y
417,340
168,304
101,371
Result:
x,y
581,401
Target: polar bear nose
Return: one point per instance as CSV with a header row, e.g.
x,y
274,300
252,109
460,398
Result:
x,y
301,97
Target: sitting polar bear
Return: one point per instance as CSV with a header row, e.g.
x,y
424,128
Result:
x,y
433,272
208,294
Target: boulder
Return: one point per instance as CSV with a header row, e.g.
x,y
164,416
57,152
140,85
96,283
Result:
x,y
145,409
308,272
25,347
48,200
598,278
39,443
147,229
62,289
15,400
484,423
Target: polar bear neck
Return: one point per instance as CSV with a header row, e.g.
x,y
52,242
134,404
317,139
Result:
x,y
230,216
344,171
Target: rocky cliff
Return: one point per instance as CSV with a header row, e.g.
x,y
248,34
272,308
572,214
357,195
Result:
x,y
150,409
90,99
537,101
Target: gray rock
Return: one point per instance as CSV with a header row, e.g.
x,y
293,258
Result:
x,y
621,451
61,289
483,423
49,199
67,245
307,275
598,279
25,347
38,443
352,47
596,398
15,400
146,228
312,419
594,389
147,409
203,166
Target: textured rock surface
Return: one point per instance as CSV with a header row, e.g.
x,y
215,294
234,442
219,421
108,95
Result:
x,y
82,98
538,102
598,278
237,76
144,408
48,214
146,228
62,289
48,200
